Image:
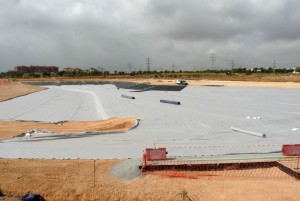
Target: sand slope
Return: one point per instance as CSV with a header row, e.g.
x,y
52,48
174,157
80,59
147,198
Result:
x,y
15,89
74,180
13,128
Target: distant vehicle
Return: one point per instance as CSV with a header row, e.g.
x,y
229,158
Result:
x,y
181,82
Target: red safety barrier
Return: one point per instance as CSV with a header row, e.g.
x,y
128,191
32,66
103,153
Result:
x,y
291,150
144,162
155,162
156,154
185,175
269,168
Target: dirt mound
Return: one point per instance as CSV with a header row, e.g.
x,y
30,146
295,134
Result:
x,y
14,128
10,90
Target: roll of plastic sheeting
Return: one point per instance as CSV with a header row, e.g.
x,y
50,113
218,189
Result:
x,y
248,132
130,97
170,102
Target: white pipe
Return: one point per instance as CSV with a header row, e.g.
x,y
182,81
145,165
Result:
x,y
248,132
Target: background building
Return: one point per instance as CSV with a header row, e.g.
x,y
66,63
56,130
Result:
x,y
36,69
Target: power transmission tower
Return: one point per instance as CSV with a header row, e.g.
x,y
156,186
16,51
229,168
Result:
x,y
173,66
274,66
232,66
213,59
101,69
129,66
148,62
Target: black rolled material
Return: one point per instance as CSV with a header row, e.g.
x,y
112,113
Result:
x,y
130,97
170,102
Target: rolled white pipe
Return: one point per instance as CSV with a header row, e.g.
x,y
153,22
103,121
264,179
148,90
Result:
x,y
248,132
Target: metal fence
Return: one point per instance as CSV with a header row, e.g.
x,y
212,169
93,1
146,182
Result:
x,y
277,169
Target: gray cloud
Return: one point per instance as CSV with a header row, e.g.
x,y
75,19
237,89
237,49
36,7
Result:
x,y
112,33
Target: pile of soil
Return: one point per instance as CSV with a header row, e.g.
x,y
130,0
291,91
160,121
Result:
x,y
10,90
14,128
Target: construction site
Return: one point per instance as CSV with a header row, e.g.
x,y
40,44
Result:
x,y
210,134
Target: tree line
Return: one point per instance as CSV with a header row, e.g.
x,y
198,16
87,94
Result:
x,y
164,73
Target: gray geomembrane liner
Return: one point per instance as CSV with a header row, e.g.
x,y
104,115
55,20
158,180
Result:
x,y
201,125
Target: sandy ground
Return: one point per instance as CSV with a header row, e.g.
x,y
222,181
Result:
x,y
286,81
191,82
13,128
78,180
90,180
223,83
10,90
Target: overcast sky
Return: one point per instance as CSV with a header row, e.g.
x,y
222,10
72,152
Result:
x,y
112,33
